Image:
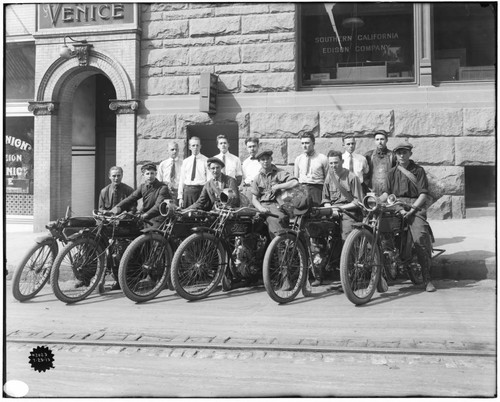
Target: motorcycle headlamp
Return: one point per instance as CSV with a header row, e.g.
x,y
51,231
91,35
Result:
x,y
167,208
370,202
226,196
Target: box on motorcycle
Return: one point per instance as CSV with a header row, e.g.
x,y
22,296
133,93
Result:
x,y
76,223
125,228
391,222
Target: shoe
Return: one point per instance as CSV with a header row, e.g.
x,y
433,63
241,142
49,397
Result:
x,y
79,284
287,286
430,287
115,286
316,282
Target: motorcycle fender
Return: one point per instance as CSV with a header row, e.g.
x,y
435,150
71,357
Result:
x,y
201,229
81,233
44,238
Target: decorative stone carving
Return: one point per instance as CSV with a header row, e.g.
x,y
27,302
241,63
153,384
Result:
x,y
42,108
82,52
129,106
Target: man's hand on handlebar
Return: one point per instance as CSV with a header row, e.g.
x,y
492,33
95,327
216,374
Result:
x,y
263,209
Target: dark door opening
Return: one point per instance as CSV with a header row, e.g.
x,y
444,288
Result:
x,y
480,186
105,132
208,137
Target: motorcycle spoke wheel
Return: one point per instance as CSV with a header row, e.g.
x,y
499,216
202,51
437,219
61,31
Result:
x,y
359,266
414,268
33,271
285,268
198,266
145,267
77,270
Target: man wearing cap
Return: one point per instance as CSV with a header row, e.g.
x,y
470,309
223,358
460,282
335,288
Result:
x,y
267,185
380,161
213,188
115,192
408,182
232,164
169,171
311,169
354,162
194,174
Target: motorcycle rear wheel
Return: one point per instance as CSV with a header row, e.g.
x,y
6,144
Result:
x,y
285,268
198,266
145,267
359,273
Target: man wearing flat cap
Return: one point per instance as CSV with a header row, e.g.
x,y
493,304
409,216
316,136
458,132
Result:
x,y
408,182
266,186
212,190
380,161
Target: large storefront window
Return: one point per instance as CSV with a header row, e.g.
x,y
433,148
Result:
x,y
464,42
19,71
356,43
19,155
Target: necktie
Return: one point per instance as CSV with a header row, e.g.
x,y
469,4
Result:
x,y
351,163
193,172
308,167
114,196
172,172
224,162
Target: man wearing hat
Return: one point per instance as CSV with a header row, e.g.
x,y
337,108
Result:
x,y
212,190
380,161
408,182
267,185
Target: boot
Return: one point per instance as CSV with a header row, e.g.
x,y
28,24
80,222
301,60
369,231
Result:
x,y
317,274
425,264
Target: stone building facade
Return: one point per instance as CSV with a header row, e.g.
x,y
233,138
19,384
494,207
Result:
x,y
154,64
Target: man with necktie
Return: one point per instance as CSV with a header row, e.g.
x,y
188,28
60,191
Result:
x,y
251,168
380,161
115,192
169,171
194,174
354,162
231,162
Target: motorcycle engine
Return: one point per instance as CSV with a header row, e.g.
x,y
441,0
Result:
x,y
248,253
319,252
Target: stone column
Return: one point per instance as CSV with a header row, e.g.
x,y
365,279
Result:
x,y
424,41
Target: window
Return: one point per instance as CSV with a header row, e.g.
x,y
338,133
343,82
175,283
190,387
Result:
x,y
19,155
356,43
20,71
464,42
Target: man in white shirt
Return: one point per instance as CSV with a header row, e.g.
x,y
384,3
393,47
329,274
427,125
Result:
x,y
194,174
311,169
232,164
353,162
251,168
169,171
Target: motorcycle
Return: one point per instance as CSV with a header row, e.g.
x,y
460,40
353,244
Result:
x,y
380,249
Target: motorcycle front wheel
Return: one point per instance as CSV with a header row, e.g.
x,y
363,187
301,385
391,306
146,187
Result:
x,y
198,266
33,271
359,266
145,267
285,268
77,270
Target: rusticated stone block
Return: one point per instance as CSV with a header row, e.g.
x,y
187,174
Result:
x,y
267,23
282,67
156,126
168,6
322,146
282,37
242,68
187,70
272,82
160,30
215,55
214,26
458,207
432,150
229,83
242,9
187,42
475,151
441,209
423,123
268,52
151,72
446,179
278,147
164,57
283,124
164,86
188,14
240,39
479,121
361,122
281,7
156,150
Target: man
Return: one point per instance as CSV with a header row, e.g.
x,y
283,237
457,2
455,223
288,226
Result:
x,y
355,163
169,171
214,187
380,161
194,175
408,182
232,162
115,192
311,169
341,190
267,185
250,168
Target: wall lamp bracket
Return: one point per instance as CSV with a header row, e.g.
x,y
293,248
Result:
x,y
81,49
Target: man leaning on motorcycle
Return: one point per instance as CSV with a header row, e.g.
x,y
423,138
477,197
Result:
x,y
408,182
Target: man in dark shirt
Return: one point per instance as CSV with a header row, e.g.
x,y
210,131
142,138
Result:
x,y
412,188
115,192
380,161
213,188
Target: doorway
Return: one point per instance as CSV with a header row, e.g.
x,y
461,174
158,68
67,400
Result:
x,y
480,186
208,137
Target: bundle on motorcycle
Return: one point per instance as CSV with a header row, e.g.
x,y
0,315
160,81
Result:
x,y
380,249
33,272
230,250
145,266
91,253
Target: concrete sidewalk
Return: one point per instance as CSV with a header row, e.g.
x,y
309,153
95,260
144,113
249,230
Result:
x,y
469,244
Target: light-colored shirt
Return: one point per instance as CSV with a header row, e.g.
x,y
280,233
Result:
x,y
202,173
360,164
251,168
311,169
164,170
232,164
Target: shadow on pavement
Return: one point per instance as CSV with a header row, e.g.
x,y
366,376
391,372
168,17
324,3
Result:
x,y
449,240
231,293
